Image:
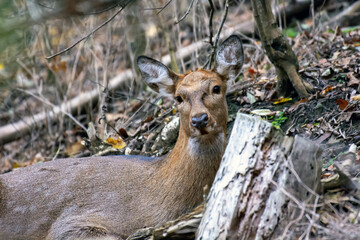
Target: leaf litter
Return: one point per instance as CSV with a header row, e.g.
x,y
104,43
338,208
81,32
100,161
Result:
x,y
329,117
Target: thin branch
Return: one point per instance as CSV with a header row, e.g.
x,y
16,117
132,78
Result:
x,y
222,23
301,205
45,101
214,46
101,11
313,219
212,9
312,7
187,12
83,13
167,4
87,36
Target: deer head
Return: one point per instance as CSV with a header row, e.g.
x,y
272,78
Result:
x,y
200,94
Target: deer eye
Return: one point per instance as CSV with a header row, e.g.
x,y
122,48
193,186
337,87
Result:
x,y
179,99
216,89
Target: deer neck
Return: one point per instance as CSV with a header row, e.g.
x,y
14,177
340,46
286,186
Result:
x,y
189,168
197,153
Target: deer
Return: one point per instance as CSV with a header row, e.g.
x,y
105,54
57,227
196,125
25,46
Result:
x,y
110,197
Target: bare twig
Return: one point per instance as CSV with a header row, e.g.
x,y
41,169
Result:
x,y
196,54
240,86
178,45
88,35
214,45
222,23
169,43
44,100
313,219
301,205
292,222
162,8
57,152
211,22
186,13
89,13
103,10
312,7
126,124
157,8
344,15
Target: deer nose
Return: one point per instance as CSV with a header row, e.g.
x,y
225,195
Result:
x,y
201,121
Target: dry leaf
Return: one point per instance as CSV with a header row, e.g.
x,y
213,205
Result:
x,y
345,61
38,158
262,112
5,165
282,100
336,55
123,133
117,143
113,116
252,72
355,98
295,105
353,81
342,103
62,65
327,89
323,61
74,149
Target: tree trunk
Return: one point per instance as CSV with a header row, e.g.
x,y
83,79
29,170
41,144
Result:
x,y
261,191
278,51
263,184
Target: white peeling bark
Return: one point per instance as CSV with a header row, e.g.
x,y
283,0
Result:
x,y
257,179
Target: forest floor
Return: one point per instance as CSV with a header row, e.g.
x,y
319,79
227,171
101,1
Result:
x,y
330,117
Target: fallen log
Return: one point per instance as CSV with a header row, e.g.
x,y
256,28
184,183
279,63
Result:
x,y
18,129
266,188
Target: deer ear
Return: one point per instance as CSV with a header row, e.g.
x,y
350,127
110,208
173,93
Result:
x,y
230,57
157,76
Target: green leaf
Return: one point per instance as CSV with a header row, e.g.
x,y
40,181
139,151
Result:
x,y
290,32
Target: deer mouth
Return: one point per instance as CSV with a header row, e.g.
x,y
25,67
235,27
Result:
x,y
203,131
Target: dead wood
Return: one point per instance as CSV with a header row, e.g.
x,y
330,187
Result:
x,y
265,184
344,168
296,9
279,51
19,129
348,17
182,228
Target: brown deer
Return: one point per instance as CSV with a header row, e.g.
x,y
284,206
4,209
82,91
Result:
x,y
111,197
